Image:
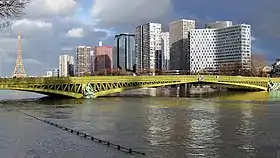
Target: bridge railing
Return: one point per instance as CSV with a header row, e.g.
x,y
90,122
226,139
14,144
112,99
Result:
x,y
53,80
33,80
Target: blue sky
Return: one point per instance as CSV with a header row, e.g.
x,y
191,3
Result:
x,y
53,27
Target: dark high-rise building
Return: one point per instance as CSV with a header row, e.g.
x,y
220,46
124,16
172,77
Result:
x,y
159,60
124,52
179,42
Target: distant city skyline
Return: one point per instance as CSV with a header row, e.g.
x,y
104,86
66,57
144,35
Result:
x,y
157,56
51,28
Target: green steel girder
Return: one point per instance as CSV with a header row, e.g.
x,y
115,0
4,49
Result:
x,y
103,85
98,87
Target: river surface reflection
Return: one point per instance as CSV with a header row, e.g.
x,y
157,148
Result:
x,y
224,125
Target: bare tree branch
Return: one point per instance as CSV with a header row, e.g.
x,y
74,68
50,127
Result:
x,y
258,63
10,10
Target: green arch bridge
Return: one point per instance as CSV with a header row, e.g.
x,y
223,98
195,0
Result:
x,y
95,86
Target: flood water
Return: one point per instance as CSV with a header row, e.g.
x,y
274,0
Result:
x,y
223,125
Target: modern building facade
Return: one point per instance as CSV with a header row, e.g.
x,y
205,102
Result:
x,y
179,44
159,60
66,65
92,62
203,45
124,52
148,41
55,72
234,45
103,58
165,49
49,73
218,24
52,73
83,60
210,49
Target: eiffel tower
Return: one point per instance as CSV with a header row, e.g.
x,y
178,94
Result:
x,y
19,70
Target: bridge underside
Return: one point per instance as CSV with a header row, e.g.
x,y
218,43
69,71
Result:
x,y
51,93
105,88
234,86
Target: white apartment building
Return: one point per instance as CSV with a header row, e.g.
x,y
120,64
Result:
x,y
83,60
55,72
49,74
165,49
147,43
202,50
66,65
210,48
179,44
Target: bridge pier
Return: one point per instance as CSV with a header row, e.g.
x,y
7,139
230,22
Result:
x,y
273,86
188,90
182,90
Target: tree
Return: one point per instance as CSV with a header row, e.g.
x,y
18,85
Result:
x,y
86,74
231,68
258,63
10,10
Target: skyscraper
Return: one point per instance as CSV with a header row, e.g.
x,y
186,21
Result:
x,y
124,52
83,62
66,65
103,58
179,43
165,49
148,41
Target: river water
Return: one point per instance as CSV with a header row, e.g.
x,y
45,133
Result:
x,y
223,125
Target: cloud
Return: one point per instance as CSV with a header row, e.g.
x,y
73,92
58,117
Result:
x,y
32,61
75,33
253,38
264,15
110,32
31,28
26,61
50,8
43,37
125,12
7,45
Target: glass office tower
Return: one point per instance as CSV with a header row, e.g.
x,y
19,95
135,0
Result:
x,y
124,52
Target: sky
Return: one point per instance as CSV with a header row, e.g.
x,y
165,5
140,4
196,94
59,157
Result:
x,y
50,28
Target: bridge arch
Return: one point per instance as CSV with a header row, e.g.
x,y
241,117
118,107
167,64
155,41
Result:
x,y
234,85
55,93
248,87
